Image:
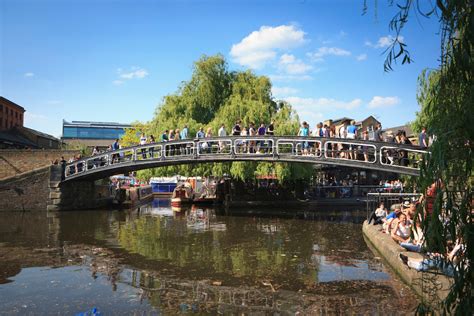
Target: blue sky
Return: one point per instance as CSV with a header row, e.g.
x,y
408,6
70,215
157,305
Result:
x,y
114,61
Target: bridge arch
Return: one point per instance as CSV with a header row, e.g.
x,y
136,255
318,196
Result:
x,y
389,157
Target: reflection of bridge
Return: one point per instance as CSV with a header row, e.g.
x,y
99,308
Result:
x,y
389,157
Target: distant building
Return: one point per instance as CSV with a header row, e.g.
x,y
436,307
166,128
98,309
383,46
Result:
x,y
14,135
90,134
11,114
390,133
368,124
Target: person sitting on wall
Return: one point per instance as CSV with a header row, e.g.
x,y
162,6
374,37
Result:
x,y
378,216
415,244
443,262
390,220
401,230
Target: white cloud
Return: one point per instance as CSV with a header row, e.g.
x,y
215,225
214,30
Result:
x,y
309,116
327,51
286,78
134,73
283,91
361,57
29,74
384,41
259,47
378,102
323,103
292,66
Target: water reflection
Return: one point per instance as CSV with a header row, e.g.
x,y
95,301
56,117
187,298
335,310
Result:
x,y
293,253
190,260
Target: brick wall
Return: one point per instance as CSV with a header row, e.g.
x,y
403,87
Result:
x,y
28,191
16,161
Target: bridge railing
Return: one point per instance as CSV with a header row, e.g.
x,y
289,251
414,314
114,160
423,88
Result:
x,y
406,157
253,145
317,149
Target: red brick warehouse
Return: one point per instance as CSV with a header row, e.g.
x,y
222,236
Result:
x,y
11,114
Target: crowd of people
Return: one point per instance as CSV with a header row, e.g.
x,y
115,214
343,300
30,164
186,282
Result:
x,y
404,225
347,131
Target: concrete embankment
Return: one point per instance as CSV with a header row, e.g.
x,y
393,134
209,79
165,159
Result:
x,y
432,287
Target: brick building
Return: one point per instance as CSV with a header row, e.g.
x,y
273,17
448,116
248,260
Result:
x,y
11,114
13,133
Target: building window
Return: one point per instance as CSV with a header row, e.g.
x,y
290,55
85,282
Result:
x,y
92,132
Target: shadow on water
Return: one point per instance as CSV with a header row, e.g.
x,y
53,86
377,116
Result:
x,y
198,259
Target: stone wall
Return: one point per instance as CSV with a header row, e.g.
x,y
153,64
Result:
x,y
17,161
27,191
76,195
41,189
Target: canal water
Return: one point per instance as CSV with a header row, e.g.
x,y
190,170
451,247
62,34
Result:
x,y
158,260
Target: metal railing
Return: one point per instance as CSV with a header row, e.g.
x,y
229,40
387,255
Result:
x,y
388,199
290,148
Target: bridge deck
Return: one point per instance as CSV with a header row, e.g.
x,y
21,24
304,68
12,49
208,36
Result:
x,y
389,157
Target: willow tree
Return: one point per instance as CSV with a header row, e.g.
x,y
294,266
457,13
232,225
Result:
x,y
446,96
214,96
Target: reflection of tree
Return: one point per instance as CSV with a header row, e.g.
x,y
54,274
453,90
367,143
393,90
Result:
x,y
241,252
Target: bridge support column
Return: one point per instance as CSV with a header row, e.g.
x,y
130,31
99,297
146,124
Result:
x,y
74,195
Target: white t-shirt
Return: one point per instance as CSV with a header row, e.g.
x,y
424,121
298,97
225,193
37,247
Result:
x,y
222,132
142,140
380,212
342,132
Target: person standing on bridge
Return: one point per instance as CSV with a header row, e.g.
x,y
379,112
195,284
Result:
x,y
115,146
318,132
261,143
209,135
422,139
236,130
252,143
271,128
200,134
378,133
143,142
304,131
221,133
152,149
171,138
351,133
365,149
164,136
185,148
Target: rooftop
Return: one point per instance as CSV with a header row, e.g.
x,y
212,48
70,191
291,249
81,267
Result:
x,y
6,101
13,138
41,134
95,124
394,130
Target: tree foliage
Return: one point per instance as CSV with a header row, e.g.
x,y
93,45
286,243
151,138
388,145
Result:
x,y
214,96
446,96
